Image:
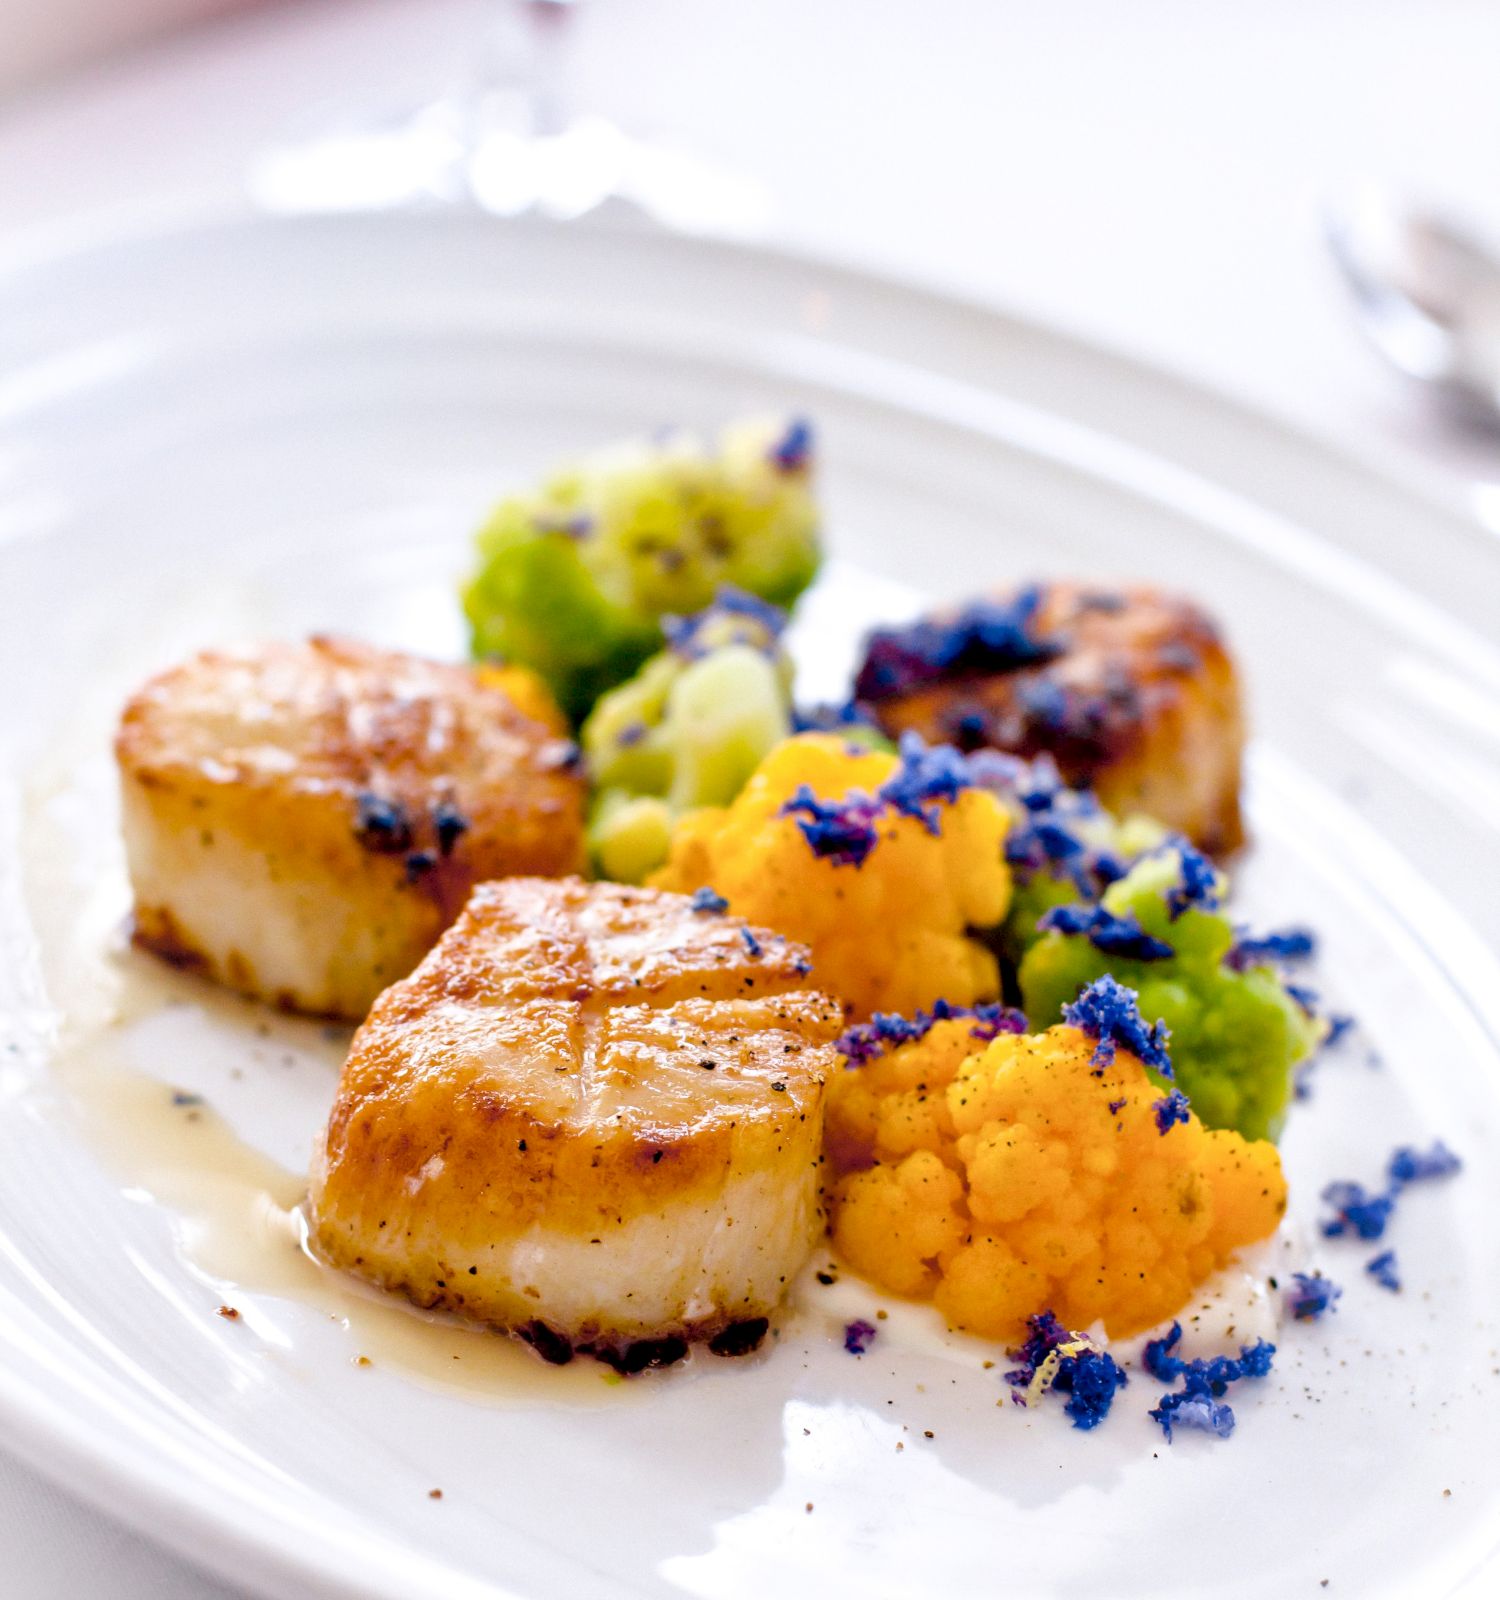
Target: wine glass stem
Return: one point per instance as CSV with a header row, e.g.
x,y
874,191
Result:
x,y
531,41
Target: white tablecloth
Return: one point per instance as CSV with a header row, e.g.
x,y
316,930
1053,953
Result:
x,y
1147,175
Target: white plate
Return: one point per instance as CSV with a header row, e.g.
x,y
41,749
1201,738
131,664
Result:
x,y
260,427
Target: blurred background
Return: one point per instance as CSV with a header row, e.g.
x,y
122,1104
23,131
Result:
x,y
1150,176
1155,177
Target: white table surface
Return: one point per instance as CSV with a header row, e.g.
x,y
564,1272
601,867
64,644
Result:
x,y
1146,175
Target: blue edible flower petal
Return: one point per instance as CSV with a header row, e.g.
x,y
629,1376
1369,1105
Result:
x,y
990,636
1043,1335
706,900
927,776
1158,1357
840,831
793,450
858,1337
1286,947
1204,1383
831,718
885,1030
844,831
571,525
1412,1166
1338,1027
741,618
1048,829
1384,1271
1364,1214
1115,936
1184,1410
1090,1377
1109,1014
1356,1211
1305,997
752,944
1173,1108
1197,887
1090,1380
1044,703
1309,1295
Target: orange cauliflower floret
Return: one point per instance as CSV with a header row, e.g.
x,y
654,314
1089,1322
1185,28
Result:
x,y
528,692
1031,1174
888,932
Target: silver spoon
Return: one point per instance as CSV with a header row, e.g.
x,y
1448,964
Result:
x,y
1427,293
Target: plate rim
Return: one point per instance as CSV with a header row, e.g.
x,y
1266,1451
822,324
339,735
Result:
x,y
125,1476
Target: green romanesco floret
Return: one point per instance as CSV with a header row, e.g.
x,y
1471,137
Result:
x,y
687,730
575,577
1236,1035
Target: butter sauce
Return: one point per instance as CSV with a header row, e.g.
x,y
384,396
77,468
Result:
x,y
120,1019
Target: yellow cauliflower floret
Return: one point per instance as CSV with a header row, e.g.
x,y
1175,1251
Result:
x,y
889,934
897,1103
900,1220
1035,1179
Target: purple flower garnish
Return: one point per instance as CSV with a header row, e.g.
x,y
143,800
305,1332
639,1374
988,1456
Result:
x,y
1309,1295
844,831
736,618
1109,1014
885,1031
1089,1377
1363,1214
1090,1380
1044,703
1413,1166
831,718
570,525
1383,1270
793,450
1357,1211
1115,936
858,1337
1191,1409
1199,1402
928,776
1286,947
1043,1335
1198,881
706,900
1048,823
988,637
841,831
1306,998
1338,1027
1173,1108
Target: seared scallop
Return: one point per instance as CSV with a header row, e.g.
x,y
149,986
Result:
x,y
1130,690
591,1117
303,820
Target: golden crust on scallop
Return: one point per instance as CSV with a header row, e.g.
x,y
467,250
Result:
x,y
1129,689
592,1116
303,820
